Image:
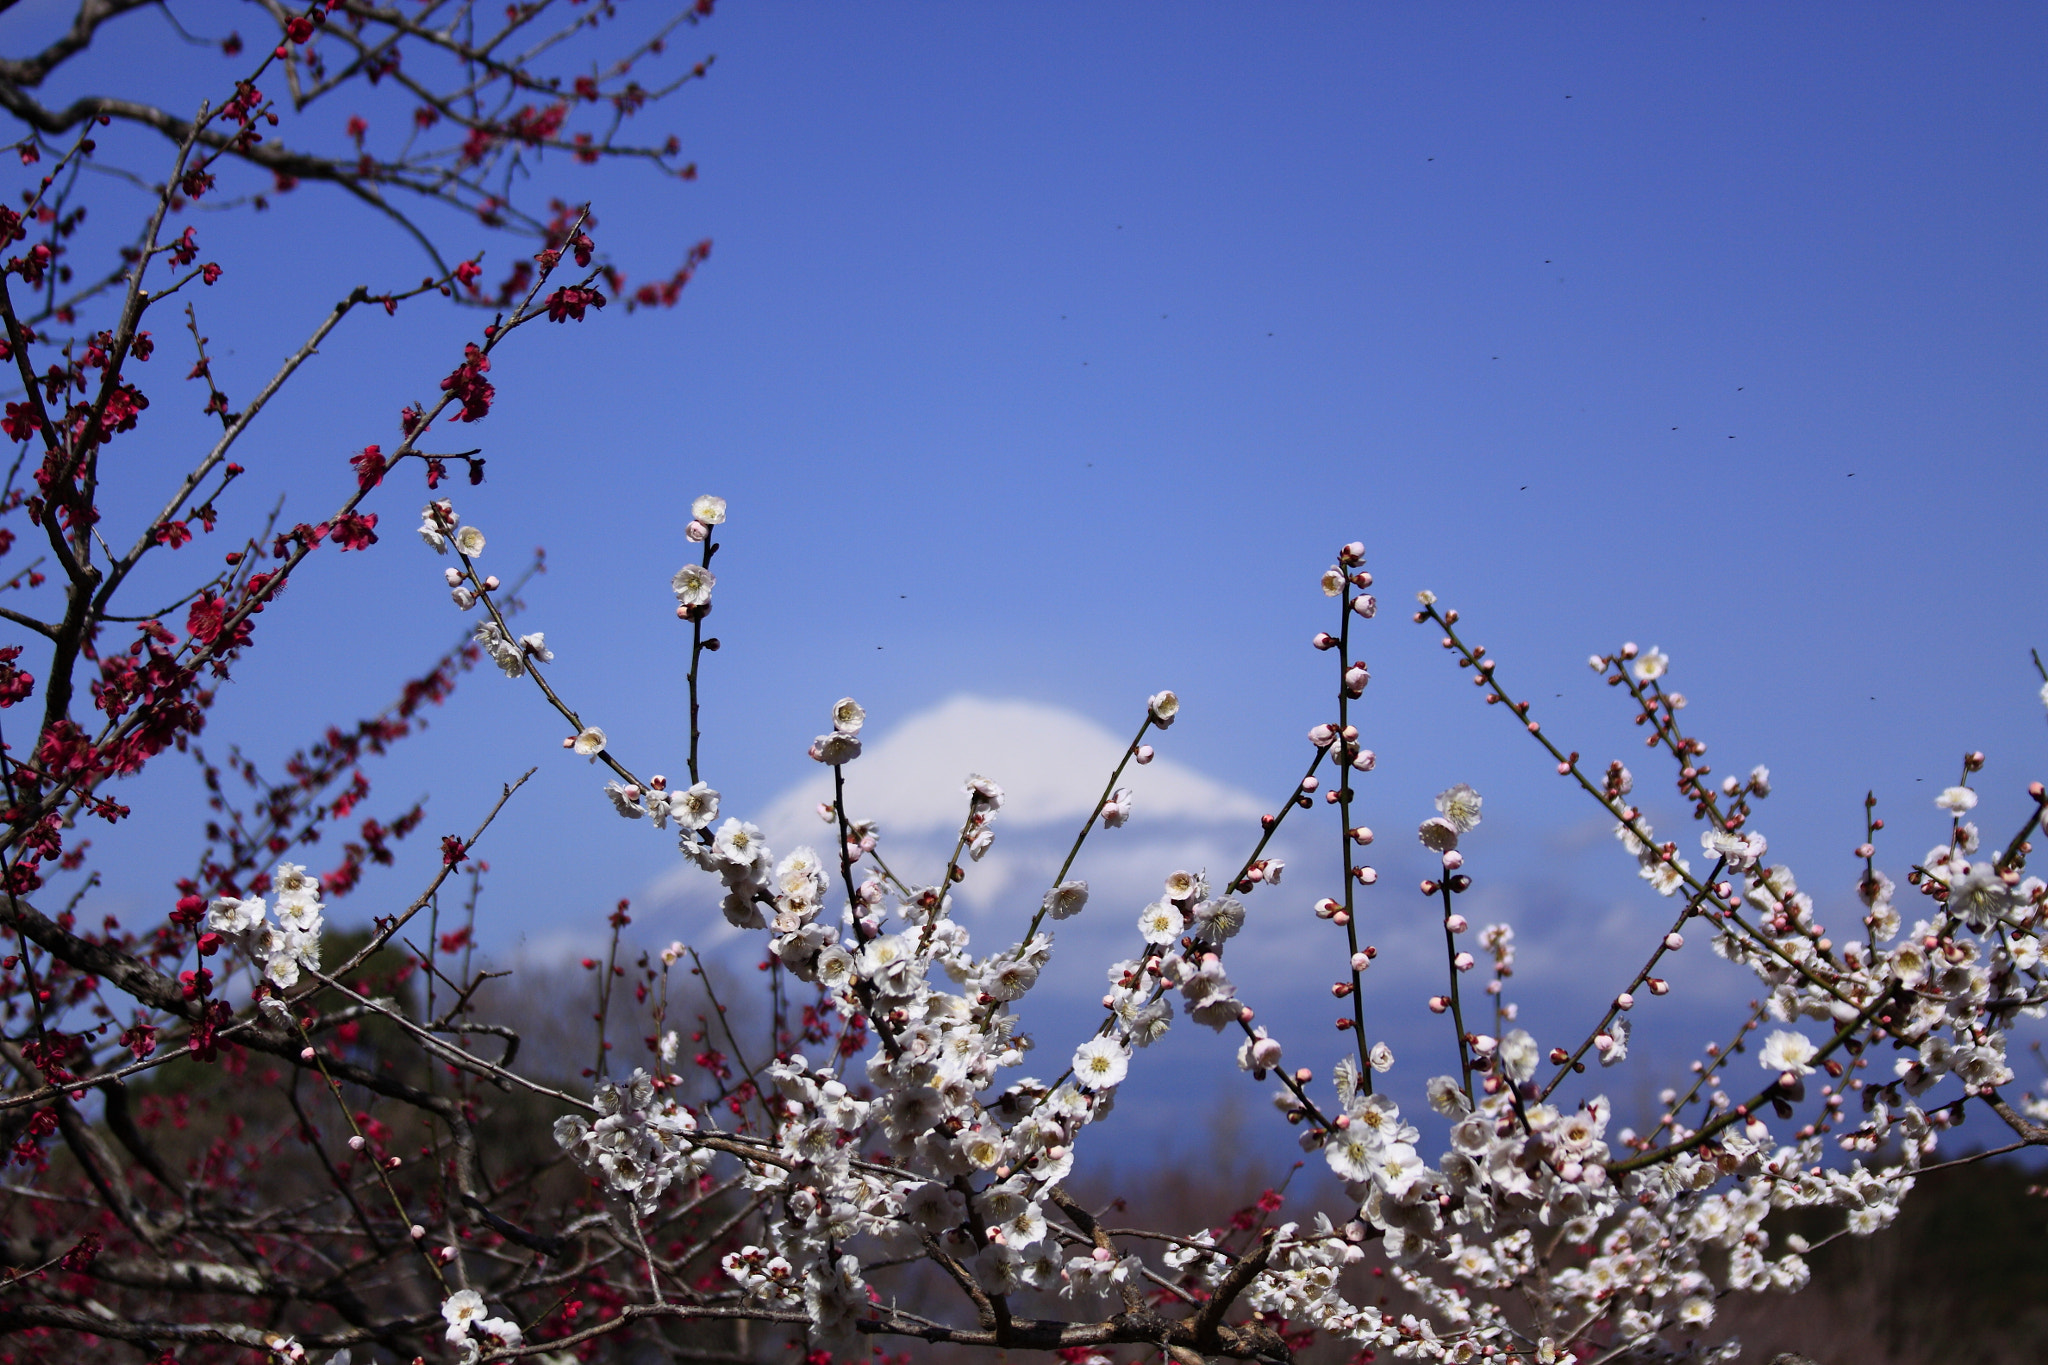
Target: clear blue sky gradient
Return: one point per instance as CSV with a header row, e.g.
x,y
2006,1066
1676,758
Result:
x,y
1049,352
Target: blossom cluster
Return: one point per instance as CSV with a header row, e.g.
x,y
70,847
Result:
x,y
640,1144
281,938
1541,1221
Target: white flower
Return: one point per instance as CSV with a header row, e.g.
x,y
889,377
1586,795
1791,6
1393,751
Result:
x,y
1518,1054
1333,581
709,510
1397,1170
1786,1050
1117,809
1665,874
1652,665
739,847
1956,800
435,518
834,967
1613,1044
1980,896
1065,900
1160,923
835,748
1381,1057
694,808
847,716
1164,707
693,584
462,1308
282,971
1459,805
983,796
1760,780
800,877
536,645
590,742
509,658
293,885
1100,1063
231,916
1438,834
470,541
1743,851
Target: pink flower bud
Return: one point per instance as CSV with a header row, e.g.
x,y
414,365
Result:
x,y
1457,924
696,532
1463,962
417,1233
355,1144
1453,860
1437,1004
1624,1001
1321,735
1360,961
1674,940
491,583
1144,754
306,1054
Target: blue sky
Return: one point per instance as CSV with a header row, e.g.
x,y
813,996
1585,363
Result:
x,y
1047,353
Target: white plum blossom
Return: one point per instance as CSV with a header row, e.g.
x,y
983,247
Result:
x,y
1652,665
1787,1050
694,807
1160,923
708,509
1066,900
693,584
1101,1063
1742,851
470,541
1957,800
837,748
1459,806
1163,706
